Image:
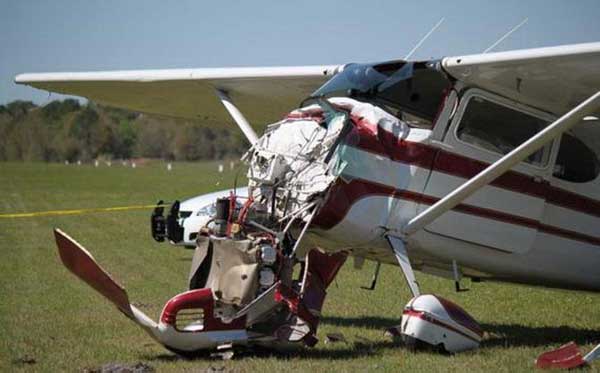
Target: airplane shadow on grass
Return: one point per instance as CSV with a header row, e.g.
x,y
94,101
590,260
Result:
x,y
500,335
508,335
349,351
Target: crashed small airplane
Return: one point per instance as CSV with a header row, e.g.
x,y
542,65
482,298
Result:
x,y
481,166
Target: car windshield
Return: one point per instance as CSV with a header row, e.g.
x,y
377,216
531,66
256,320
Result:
x,y
412,91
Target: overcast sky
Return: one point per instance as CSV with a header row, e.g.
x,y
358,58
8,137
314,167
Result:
x,y
70,35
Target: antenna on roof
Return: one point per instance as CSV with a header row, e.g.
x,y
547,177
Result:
x,y
506,35
412,51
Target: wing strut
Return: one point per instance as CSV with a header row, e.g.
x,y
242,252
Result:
x,y
562,124
237,116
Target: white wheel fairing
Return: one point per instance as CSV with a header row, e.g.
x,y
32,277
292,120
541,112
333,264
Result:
x,y
436,321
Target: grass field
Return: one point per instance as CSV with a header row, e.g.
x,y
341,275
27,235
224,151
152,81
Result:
x,y
50,321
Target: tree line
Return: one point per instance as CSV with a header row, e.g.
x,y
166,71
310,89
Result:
x,y
70,131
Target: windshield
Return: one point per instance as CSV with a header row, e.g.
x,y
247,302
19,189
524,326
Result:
x,y
412,91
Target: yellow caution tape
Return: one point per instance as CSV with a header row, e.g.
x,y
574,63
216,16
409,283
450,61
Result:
x,y
75,212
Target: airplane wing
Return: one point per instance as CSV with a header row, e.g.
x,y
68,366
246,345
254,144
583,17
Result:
x,y
554,79
262,94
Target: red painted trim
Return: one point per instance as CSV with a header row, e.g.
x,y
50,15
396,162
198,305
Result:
x,y
194,299
343,195
325,266
413,313
425,317
464,167
372,138
296,305
460,316
321,270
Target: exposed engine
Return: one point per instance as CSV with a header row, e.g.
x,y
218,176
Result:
x,y
262,275
247,254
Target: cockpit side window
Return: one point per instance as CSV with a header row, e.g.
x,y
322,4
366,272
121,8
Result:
x,y
577,159
498,128
417,100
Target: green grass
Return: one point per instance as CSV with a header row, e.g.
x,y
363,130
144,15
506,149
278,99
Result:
x,y
49,316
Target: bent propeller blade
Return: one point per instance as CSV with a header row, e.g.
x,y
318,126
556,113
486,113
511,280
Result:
x,y
83,265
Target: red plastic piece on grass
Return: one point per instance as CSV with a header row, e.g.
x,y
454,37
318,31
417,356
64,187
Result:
x,y
566,356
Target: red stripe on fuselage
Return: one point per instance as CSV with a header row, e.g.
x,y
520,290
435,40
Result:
x,y
461,166
344,195
374,139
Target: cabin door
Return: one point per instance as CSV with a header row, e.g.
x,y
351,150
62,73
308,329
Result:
x,y
504,215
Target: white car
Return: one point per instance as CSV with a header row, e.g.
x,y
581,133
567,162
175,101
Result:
x,y
185,218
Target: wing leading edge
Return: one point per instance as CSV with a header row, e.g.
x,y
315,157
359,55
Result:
x,y
263,94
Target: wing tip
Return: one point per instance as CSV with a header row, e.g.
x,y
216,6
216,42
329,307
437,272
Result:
x,y
28,78
21,79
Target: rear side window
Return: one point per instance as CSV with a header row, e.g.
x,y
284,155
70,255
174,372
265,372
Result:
x,y
499,129
577,159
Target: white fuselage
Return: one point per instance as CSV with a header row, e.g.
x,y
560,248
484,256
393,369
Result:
x,y
527,226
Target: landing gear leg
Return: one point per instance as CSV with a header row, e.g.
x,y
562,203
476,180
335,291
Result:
x,y
431,320
374,279
399,249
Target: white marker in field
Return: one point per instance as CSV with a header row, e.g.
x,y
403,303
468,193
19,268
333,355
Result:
x,y
96,163
221,168
169,166
78,163
109,163
133,165
67,162
231,165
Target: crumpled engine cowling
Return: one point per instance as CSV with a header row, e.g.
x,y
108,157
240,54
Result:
x,y
289,157
296,158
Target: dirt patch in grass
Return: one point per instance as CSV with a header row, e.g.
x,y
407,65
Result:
x,y
122,368
24,360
